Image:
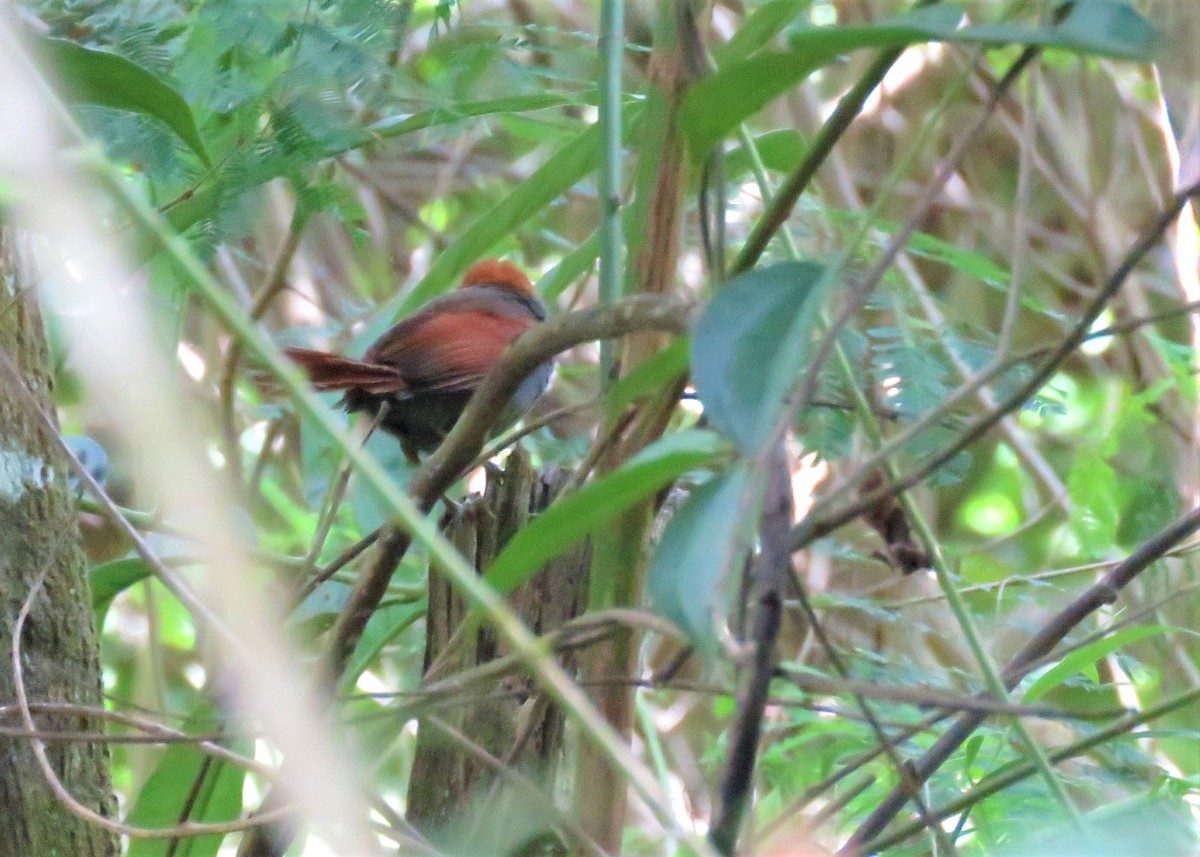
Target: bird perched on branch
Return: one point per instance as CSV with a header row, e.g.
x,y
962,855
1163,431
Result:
x,y
426,367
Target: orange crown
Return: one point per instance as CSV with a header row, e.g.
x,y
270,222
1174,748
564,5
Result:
x,y
498,272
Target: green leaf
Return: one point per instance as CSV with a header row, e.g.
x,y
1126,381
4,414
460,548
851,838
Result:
x,y
577,515
762,25
169,789
651,375
98,77
780,151
549,181
716,104
1084,659
385,624
570,267
1108,28
704,539
750,344
201,204
110,579
395,127
1092,487
971,751
574,264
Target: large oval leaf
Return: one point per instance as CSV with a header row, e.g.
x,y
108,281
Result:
x,y
705,537
750,344
98,77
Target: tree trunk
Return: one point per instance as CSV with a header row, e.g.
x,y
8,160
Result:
x,y
453,796
39,541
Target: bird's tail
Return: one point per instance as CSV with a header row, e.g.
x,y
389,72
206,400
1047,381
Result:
x,y
329,372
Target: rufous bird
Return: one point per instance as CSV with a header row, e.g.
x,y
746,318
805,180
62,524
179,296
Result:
x,y
427,366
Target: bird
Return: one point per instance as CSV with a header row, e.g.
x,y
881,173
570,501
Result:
x,y
426,367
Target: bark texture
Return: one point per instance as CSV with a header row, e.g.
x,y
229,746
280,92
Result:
x,y
508,719
59,651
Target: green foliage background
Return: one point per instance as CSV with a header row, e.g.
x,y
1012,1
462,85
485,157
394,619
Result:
x,y
386,146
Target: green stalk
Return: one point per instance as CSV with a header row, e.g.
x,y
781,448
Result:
x,y
612,244
533,653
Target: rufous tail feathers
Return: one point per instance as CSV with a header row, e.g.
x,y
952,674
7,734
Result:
x,y
329,372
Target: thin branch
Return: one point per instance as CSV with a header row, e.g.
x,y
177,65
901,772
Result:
x,y
1042,643
226,384
929,697
333,499
440,470
60,791
1001,781
610,233
770,574
815,526
835,126
157,733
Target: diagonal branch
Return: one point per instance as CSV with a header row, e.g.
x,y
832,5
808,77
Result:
x,y
814,527
1042,643
440,470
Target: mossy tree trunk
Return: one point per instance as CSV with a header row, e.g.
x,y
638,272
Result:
x,y
39,541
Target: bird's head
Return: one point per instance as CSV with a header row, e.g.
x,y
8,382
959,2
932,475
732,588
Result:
x,y
498,272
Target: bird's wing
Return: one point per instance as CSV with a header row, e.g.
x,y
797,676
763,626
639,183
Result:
x,y
332,372
446,351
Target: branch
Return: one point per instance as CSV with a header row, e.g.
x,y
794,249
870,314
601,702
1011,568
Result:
x,y
458,450
439,472
813,528
770,574
227,380
1052,633
847,110
1003,780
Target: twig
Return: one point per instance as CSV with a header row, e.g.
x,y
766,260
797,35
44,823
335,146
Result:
x,y
333,499
815,526
610,235
848,108
527,428
1001,781
1050,635
276,282
156,732
928,697
60,791
770,573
